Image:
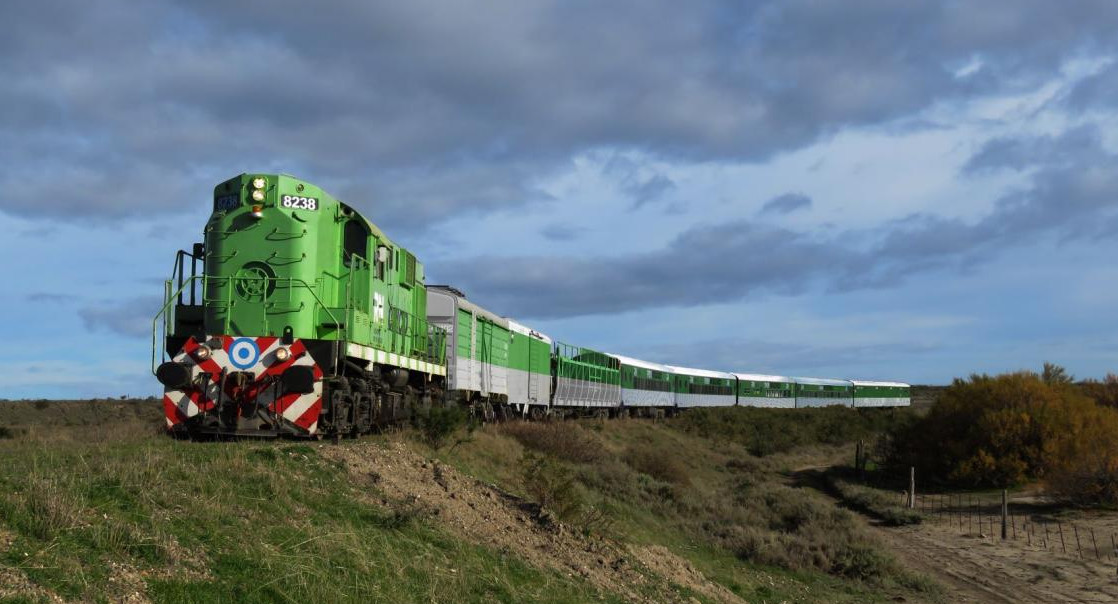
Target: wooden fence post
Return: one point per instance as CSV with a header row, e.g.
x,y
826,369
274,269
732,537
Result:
x,y
1078,547
1005,511
1063,546
1095,544
912,488
1046,535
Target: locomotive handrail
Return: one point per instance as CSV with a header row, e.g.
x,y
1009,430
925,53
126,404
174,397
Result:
x,y
168,299
286,235
284,260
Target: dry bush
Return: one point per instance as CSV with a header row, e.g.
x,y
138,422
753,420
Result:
x,y
993,431
659,463
551,485
776,525
1105,392
565,440
1083,465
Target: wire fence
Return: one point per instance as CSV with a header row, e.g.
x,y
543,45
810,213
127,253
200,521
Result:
x,y
1017,522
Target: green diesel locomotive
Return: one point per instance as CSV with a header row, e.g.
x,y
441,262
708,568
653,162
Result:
x,y
297,316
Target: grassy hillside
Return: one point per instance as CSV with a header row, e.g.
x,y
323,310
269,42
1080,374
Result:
x,y
95,505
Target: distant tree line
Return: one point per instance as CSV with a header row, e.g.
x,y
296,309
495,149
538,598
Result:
x,y
1009,429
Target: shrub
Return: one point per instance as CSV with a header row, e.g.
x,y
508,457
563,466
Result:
x,y
767,431
661,464
565,440
1105,392
551,485
996,431
884,505
437,423
1083,466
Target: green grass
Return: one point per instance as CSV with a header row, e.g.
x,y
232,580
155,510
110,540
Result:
x,y
95,505
734,516
881,504
250,522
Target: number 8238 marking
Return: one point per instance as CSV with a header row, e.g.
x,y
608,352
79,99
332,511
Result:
x,y
299,203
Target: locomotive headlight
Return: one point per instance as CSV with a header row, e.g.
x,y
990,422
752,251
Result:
x,y
258,195
202,353
282,354
257,211
259,182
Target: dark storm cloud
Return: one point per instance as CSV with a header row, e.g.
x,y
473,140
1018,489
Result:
x,y
418,111
1072,194
701,266
786,204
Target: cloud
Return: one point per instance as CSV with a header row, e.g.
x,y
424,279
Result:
x,y
786,204
727,354
1072,193
422,111
561,232
50,298
700,266
130,318
1025,152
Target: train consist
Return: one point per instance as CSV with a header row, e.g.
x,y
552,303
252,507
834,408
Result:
x,y
297,316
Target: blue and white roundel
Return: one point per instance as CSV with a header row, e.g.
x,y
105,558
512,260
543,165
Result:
x,y
244,353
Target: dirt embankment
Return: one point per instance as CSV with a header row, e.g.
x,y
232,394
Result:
x,y
484,514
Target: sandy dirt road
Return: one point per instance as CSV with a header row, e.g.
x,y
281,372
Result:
x,y
977,568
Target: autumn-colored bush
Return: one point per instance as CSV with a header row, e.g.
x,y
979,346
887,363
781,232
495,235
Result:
x,y
998,431
1103,392
1083,468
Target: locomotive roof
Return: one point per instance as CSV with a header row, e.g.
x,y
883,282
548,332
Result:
x,y
760,377
630,361
701,372
889,384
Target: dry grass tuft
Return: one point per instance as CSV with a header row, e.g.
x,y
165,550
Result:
x,y
565,440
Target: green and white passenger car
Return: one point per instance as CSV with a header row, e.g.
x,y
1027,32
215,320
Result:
x,y
881,394
773,391
703,388
822,392
645,384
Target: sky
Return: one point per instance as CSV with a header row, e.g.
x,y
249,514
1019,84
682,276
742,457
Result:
x,y
869,189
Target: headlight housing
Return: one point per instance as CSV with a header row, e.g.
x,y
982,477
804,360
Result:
x,y
259,182
258,195
202,352
282,354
